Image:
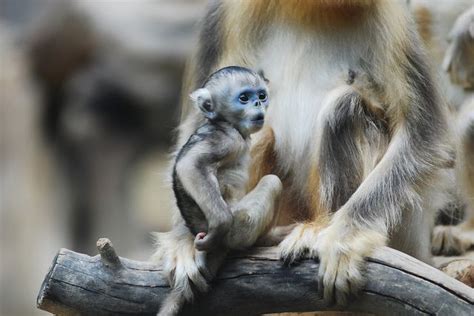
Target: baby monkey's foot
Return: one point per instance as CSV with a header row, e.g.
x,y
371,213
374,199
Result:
x,y
201,235
202,242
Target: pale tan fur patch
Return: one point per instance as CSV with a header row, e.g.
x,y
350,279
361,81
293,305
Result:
x,y
424,22
301,241
314,195
342,252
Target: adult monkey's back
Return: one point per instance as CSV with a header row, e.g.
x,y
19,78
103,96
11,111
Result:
x,y
360,136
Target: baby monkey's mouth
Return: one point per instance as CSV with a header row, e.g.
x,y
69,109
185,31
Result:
x,y
258,119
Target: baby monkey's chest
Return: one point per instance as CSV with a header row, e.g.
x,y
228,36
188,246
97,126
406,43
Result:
x,y
233,177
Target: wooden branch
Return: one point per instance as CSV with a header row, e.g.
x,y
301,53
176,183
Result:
x,y
250,283
107,253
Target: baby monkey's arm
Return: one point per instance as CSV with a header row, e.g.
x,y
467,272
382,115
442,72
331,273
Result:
x,y
197,172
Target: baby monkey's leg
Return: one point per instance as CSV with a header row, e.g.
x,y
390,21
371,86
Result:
x,y
275,236
254,214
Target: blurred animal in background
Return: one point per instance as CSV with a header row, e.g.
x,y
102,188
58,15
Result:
x,y
82,144
211,173
447,29
356,130
110,76
31,226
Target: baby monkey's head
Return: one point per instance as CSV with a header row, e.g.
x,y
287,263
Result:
x,y
236,95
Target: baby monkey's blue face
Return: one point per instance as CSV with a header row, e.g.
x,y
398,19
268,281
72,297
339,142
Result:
x,y
236,95
248,108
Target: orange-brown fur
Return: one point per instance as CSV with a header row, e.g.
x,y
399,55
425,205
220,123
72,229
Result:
x,y
309,14
319,215
263,157
291,209
305,12
424,22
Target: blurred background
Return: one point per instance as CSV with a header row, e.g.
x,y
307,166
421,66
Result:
x,y
89,94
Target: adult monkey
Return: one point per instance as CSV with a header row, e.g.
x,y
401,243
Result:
x,y
360,135
447,30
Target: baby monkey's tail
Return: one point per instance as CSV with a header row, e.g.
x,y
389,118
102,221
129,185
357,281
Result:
x,y
173,304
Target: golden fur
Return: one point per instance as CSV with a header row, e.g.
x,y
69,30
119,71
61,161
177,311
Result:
x,y
242,30
424,21
333,65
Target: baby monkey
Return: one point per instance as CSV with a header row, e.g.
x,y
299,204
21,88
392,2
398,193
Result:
x,y
210,176
211,169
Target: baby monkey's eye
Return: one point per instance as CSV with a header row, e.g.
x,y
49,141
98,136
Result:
x,y
262,96
243,98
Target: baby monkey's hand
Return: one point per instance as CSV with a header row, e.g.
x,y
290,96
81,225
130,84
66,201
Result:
x,y
215,236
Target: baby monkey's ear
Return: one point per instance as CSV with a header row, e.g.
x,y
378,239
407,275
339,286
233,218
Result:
x,y
203,101
262,74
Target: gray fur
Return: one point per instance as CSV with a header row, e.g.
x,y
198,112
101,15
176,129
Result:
x,y
216,154
425,130
210,175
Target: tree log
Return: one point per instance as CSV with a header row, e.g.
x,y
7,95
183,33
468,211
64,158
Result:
x,y
249,283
